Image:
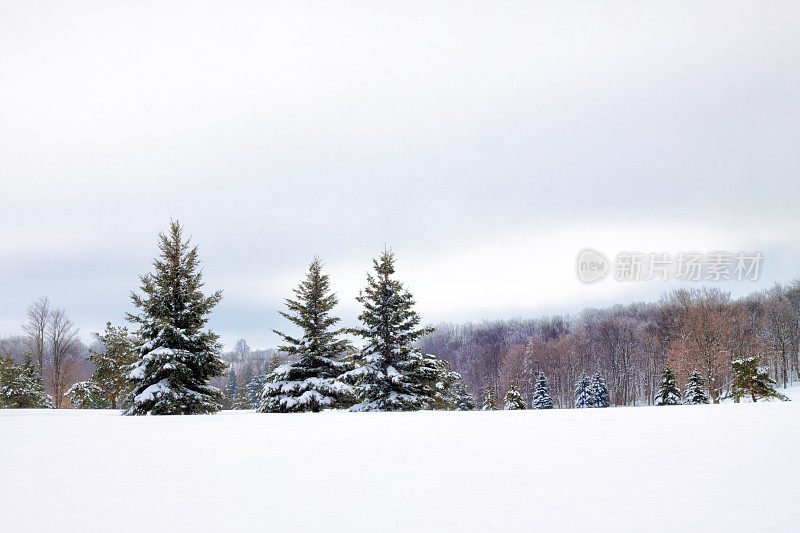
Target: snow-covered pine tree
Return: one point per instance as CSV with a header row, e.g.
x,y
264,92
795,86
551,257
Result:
x,y
583,392
111,364
600,396
464,400
541,393
437,380
695,393
177,356
232,385
21,386
668,391
388,375
750,379
489,401
87,395
513,400
254,388
311,382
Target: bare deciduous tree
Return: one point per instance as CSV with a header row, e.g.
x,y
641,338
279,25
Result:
x,y
36,328
62,338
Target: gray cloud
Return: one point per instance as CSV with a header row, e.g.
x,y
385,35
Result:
x,y
277,131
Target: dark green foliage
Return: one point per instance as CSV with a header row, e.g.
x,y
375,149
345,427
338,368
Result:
x,y
584,398
437,380
513,400
463,399
749,379
541,393
695,393
177,356
21,385
111,366
391,373
310,383
600,396
668,392
87,395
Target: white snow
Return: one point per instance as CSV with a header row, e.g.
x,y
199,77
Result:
x,y
681,468
153,391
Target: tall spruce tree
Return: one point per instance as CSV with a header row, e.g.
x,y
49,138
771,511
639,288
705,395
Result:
x,y
541,393
489,401
668,391
695,393
311,382
513,400
750,379
177,356
391,373
583,392
600,396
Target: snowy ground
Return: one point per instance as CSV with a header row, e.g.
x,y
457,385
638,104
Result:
x,y
689,468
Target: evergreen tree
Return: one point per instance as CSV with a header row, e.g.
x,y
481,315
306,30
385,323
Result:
x,y
311,382
668,391
489,401
254,388
463,399
21,385
233,384
88,395
695,390
749,379
600,396
541,393
242,399
391,374
513,400
437,380
111,367
176,356
584,397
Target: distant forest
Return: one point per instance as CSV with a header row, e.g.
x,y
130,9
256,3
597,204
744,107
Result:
x,y
700,329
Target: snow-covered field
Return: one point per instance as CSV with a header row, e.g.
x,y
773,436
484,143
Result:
x,y
688,468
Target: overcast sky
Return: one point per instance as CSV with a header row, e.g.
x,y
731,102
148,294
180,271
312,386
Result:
x,y
485,142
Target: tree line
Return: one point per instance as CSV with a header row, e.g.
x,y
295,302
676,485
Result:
x,y
699,330
171,363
